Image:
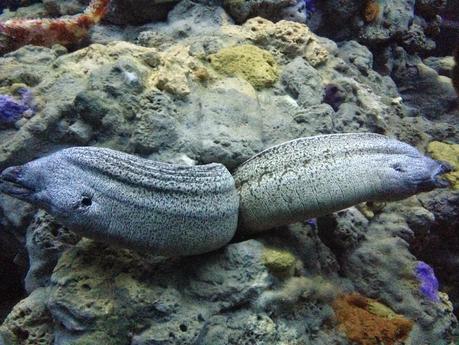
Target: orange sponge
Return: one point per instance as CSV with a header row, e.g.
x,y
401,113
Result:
x,y
368,322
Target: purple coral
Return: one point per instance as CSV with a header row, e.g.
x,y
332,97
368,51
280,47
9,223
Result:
x,y
427,280
12,109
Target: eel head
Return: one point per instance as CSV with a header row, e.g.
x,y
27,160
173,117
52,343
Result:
x,y
50,183
406,175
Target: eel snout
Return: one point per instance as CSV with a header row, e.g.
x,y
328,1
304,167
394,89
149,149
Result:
x,y
437,176
428,174
12,182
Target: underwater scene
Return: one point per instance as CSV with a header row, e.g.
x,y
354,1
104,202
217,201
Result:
x,y
229,172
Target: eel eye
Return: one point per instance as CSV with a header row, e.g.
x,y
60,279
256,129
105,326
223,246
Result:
x,y
398,168
86,201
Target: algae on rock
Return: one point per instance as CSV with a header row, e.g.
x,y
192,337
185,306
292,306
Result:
x,y
249,62
449,153
30,322
279,262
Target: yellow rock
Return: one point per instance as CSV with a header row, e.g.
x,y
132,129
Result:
x,y
249,62
449,153
280,262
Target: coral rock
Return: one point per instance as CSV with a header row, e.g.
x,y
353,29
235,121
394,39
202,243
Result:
x,y
11,109
240,10
45,242
279,262
427,280
29,323
249,62
450,154
430,8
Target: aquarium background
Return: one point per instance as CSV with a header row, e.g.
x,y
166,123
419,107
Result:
x,y
195,82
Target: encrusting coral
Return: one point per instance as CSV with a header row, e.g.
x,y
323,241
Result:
x,y
280,262
249,62
12,109
427,280
368,322
47,32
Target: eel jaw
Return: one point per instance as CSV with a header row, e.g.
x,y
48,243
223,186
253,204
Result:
x,y
12,184
438,180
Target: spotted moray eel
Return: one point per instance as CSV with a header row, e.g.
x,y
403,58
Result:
x,y
173,210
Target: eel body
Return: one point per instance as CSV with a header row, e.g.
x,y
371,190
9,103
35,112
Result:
x,y
131,202
314,176
174,210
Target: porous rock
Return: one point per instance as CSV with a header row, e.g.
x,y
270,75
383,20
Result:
x,y
172,298
255,65
450,154
402,293
45,242
241,10
29,322
158,96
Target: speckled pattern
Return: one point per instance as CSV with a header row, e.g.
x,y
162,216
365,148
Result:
x,y
309,177
180,210
135,203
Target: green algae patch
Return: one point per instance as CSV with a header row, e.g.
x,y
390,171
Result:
x,y
448,153
249,62
279,262
379,309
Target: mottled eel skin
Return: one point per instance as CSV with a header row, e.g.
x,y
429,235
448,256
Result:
x,y
174,210
131,202
310,177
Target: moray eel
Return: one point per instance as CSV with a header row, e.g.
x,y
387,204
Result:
x,y
131,202
178,210
310,177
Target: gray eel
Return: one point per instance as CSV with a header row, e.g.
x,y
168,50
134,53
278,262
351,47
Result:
x,y
131,202
314,176
178,210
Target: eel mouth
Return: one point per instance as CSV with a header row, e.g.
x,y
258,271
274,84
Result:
x,y
438,179
12,184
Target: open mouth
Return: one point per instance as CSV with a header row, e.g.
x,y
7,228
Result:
x,y
437,177
10,183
